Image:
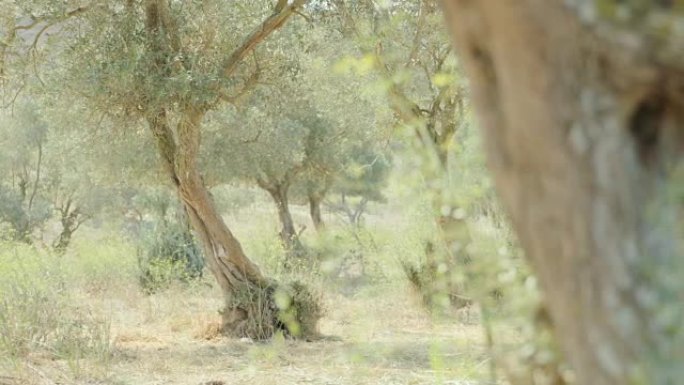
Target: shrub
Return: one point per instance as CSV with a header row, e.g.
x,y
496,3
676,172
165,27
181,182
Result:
x,y
38,312
290,309
170,254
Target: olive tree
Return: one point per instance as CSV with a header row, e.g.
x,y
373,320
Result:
x,y
267,150
295,134
167,64
359,183
410,53
53,180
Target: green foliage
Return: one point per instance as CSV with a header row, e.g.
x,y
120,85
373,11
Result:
x,y
359,183
22,138
300,309
167,250
343,260
51,182
100,263
440,284
365,175
172,255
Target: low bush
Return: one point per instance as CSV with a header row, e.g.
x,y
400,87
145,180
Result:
x,y
39,313
168,254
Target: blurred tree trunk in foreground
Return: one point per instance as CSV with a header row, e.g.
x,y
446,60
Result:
x,y
582,105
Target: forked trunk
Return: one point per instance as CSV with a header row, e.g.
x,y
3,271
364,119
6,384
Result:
x,y
71,219
62,242
584,127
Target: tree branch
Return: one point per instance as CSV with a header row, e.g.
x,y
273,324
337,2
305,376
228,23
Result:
x,y
272,23
250,83
419,33
51,22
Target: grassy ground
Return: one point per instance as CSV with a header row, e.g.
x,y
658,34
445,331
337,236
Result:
x,y
170,338
83,319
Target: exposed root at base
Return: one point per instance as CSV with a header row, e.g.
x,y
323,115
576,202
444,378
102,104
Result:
x,y
261,312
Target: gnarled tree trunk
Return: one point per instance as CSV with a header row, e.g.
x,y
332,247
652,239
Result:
x,y
234,272
251,309
583,114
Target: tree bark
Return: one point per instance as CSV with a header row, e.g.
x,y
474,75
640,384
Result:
x,y
251,309
583,122
225,257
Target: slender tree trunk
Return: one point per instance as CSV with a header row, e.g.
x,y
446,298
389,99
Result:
x,y
288,234
36,184
71,219
584,126
315,212
358,212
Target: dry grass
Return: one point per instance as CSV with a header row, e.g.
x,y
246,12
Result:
x,y
172,338
379,332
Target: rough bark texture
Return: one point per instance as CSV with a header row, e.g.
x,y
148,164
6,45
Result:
x,y
584,122
251,307
224,255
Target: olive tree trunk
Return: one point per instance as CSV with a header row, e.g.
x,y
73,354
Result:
x,y
71,218
288,234
315,211
583,115
234,272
